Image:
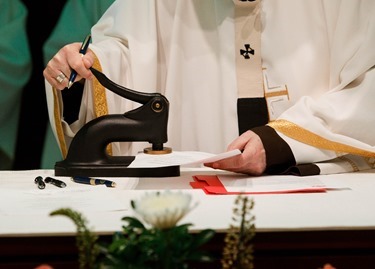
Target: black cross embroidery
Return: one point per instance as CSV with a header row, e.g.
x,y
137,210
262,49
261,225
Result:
x,y
245,53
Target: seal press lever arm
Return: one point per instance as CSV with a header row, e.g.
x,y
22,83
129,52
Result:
x,y
139,97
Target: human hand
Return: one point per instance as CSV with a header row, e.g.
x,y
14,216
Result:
x,y
67,59
252,161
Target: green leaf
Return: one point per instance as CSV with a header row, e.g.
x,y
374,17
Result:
x,y
203,237
134,222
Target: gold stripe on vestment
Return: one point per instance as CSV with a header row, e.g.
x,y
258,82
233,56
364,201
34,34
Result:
x,y
58,124
302,135
100,99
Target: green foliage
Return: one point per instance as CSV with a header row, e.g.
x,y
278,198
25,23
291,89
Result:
x,y
138,247
86,241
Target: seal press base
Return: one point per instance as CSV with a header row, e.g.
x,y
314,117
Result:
x,y
87,154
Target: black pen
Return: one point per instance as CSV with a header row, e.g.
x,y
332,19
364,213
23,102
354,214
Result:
x,y
93,181
39,181
82,50
56,182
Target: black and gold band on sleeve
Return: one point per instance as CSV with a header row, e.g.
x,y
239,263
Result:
x,y
279,156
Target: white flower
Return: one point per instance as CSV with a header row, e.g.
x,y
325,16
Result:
x,y
163,210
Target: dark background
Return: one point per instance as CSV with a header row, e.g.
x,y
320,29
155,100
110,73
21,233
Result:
x,y
33,123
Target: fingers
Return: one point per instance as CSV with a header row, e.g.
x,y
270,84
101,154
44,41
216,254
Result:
x,y
253,159
59,68
241,141
57,77
61,77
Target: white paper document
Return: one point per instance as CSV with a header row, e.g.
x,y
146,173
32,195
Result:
x,y
183,158
270,184
96,198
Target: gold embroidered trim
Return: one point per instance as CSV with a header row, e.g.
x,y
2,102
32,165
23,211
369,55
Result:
x,y
370,161
278,93
100,99
58,124
351,162
298,133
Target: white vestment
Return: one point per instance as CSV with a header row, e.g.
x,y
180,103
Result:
x,y
321,51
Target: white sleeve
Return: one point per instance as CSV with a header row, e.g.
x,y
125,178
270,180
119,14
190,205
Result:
x,y
341,121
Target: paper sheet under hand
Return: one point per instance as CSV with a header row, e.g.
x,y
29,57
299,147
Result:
x,y
182,158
